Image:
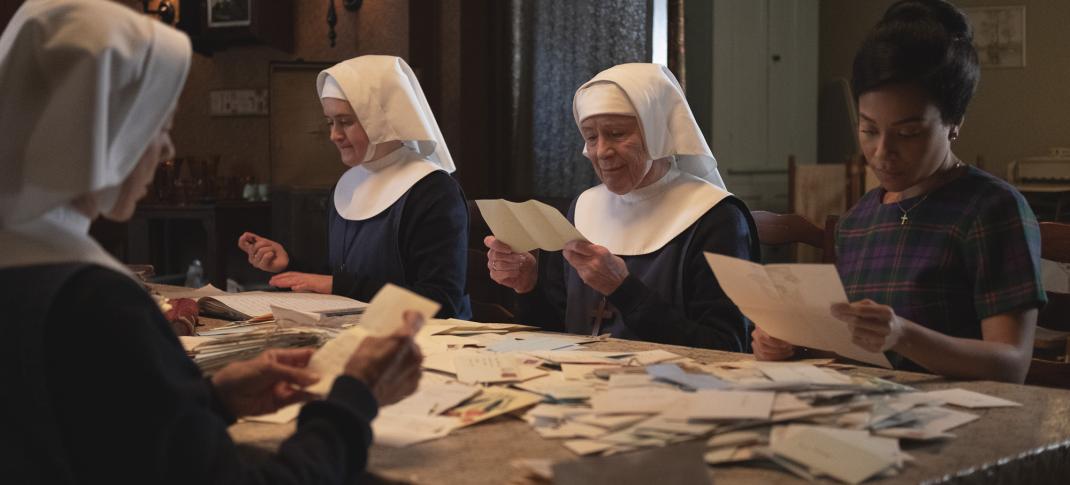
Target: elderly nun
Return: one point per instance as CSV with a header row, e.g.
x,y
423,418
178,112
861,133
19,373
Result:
x,y
661,204
86,352
397,214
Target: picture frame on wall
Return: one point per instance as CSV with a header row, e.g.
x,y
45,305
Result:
x,y
998,35
230,13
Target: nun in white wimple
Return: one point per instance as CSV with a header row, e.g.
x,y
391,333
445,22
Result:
x,y
661,204
85,116
398,216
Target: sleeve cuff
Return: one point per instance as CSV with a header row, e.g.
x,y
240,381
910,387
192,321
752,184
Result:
x,y
629,295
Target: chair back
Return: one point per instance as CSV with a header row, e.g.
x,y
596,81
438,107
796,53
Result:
x,y
781,229
1051,344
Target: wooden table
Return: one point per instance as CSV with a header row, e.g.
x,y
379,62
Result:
x,y
1030,444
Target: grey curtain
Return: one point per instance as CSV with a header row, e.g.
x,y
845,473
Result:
x,y
558,45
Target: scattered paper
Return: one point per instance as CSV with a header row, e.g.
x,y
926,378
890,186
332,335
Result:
x,y
528,225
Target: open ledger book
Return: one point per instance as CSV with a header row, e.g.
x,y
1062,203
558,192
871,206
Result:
x,y
251,304
792,303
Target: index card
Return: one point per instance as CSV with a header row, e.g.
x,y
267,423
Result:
x,y
385,313
792,303
528,225
382,317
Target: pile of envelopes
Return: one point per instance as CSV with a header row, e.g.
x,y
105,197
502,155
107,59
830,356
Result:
x,y
806,417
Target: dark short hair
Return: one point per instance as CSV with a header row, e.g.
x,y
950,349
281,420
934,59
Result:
x,y
924,42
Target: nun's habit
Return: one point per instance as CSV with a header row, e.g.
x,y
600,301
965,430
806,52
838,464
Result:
x,y
660,231
401,219
101,390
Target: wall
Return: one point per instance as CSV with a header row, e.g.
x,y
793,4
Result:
x,y
379,27
1017,112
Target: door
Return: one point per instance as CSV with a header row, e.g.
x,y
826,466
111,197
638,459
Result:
x,y
764,95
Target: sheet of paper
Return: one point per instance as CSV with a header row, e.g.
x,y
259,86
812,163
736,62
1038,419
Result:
x,y
557,387
528,225
528,341
970,399
673,373
648,357
631,400
802,373
579,356
726,405
490,368
256,303
385,313
330,360
791,302
381,317
402,430
847,455
579,372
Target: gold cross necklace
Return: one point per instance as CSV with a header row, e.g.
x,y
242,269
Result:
x,y
904,219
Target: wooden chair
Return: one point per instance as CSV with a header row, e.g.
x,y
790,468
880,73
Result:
x,y
780,229
1051,345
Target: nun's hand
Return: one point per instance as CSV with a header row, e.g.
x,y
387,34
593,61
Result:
x,y
598,267
303,282
767,347
519,271
873,326
264,254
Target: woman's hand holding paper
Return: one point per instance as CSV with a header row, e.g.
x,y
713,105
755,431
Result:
x,y
266,383
768,347
874,327
519,271
597,267
390,365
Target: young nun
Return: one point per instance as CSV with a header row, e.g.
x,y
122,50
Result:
x,y
397,217
101,389
661,204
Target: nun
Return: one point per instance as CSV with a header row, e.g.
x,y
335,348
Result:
x,y
660,205
89,91
397,215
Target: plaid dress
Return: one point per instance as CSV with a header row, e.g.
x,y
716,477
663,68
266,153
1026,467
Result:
x,y
970,250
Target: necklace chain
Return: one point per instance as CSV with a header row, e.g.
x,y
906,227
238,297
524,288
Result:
x,y
904,218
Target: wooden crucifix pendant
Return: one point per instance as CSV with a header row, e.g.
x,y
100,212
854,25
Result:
x,y
600,314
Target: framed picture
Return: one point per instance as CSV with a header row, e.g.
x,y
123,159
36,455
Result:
x,y
230,13
998,35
